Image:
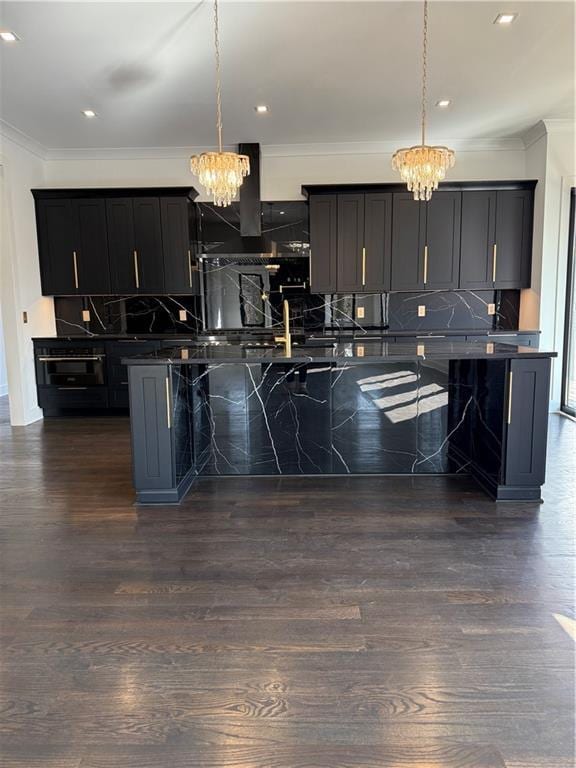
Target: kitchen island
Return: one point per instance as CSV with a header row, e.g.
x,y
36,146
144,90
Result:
x,y
355,407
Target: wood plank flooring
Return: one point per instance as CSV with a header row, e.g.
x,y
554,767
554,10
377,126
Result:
x,y
278,623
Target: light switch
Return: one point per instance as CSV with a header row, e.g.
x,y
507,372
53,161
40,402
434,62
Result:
x,y
85,315
24,317
182,315
421,310
491,309
360,313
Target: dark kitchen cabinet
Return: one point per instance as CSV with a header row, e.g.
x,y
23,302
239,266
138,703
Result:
x,y
92,267
496,243
442,245
323,243
408,241
378,241
72,246
351,272
180,266
135,245
56,246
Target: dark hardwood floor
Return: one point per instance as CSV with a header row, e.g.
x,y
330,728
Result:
x,y
278,623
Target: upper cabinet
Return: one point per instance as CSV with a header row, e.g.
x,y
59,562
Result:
x,y
73,246
116,241
350,243
496,243
472,236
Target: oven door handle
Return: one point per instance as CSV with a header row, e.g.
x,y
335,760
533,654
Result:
x,y
70,359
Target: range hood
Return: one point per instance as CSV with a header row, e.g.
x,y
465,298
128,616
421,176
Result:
x,y
251,242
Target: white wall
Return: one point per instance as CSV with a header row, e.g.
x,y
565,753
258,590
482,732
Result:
x,y
20,278
3,370
284,169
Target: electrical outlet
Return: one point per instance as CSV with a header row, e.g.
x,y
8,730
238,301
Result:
x,y
421,310
182,315
491,309
420,350
360,351
360,313
490,348
85,315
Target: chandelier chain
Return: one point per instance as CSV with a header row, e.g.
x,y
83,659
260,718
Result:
x,y
218,85
424,70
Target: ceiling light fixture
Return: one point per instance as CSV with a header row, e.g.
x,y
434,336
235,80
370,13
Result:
x,y
220,172
443,103
505,18
89,113
8,37
422,166
262,109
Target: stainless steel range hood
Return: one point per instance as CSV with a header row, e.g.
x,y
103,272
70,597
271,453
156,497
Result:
x,y
251,242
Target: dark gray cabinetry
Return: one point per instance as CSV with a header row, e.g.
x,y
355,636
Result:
x,y
351,251
180,267
527,427
323,243
426,242
377,241
135,243
496,241
116,241
408,241
73,246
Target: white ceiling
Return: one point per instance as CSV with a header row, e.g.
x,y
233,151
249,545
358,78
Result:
x,y
330,71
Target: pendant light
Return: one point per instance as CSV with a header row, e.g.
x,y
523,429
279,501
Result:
x,y
422,166
221,173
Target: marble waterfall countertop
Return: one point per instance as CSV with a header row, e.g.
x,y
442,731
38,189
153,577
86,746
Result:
x,y
319,351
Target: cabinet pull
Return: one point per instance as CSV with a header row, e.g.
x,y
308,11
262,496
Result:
x,y
425,264
494,257
136,273
189,269
510,397
363,267
75,260
168,416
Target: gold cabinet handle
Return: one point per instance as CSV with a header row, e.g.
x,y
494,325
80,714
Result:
x,y
75,260
168,415
425,264
494,258
136,272
363,267
189,269
510,397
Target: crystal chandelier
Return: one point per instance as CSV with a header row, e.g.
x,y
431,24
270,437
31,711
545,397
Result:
x,y
422,166
221,173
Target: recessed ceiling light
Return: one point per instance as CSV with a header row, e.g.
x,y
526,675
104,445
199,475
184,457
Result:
x,y
282,213
8,37
261,109
443,103
88,113
505,18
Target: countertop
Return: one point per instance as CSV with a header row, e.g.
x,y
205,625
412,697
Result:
x,y
330,333
342,351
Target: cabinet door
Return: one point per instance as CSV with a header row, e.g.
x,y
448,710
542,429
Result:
x,y
378,240
148,244
180,271
92,246
121,244
513,238
323,243
408,233
477,241
442,258
351,259
56,245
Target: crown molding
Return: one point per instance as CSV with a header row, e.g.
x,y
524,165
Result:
x,y
559,125
15,135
